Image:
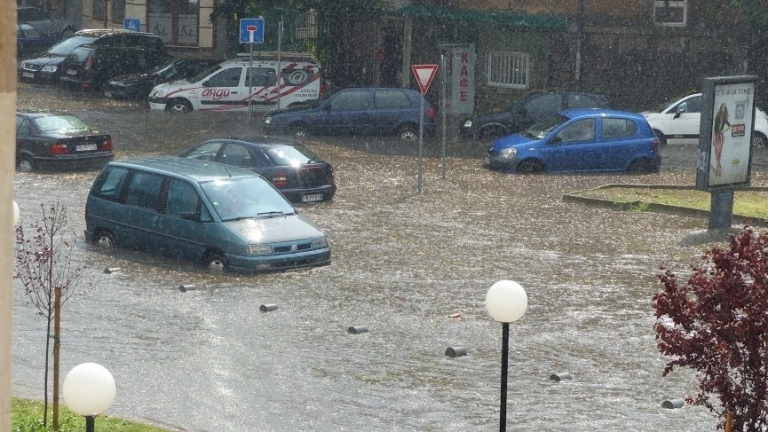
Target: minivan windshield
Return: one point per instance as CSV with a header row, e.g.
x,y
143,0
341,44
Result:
x,y
246,198
67,45
204,73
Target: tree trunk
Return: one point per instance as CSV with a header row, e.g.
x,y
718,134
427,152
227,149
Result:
x,y
56,349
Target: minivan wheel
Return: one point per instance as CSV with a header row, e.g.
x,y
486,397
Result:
x,y
105,239
407,133
299,131
216,263
759,140
25,164
178,105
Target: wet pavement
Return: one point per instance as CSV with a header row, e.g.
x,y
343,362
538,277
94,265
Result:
x,y
404,265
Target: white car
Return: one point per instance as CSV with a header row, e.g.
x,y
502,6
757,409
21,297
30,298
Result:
x,y
227,86
677,122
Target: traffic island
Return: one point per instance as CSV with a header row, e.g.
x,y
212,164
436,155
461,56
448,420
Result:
x,y
750,204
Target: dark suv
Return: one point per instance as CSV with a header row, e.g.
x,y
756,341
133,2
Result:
x,y
92,66
525,112
47,67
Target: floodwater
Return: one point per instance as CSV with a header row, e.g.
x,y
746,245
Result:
x,y
404,263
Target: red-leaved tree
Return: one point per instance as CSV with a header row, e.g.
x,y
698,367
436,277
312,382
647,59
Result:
x,y
716,323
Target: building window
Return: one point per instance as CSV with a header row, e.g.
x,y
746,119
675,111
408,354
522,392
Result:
x,y
98,10
118,11
508,69
669,13
306,25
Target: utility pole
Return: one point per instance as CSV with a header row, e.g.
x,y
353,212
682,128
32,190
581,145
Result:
x,y
7,174
579,43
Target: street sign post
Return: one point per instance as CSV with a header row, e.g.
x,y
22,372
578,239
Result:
x,y
132,24
251,32
424,75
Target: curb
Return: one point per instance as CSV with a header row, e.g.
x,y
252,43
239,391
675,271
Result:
x,y
580,197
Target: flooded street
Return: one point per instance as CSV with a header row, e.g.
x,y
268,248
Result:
x,y
208,360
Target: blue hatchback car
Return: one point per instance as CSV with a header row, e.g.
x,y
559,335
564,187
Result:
x,y
356,111
581,140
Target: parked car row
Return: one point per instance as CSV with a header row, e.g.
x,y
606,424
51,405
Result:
x,y
90,58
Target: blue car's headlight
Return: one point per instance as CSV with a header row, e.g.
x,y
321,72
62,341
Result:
x,y
49,68
267,119
508,153
319,243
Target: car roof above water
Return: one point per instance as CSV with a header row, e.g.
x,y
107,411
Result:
x,y
195,170
586,112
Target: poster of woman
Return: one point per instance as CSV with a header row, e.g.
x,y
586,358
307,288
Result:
x,y
731,124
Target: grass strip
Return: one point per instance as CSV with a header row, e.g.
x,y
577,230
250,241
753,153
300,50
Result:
x,y
27,416
749,202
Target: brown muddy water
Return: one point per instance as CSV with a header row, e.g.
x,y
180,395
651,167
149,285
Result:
x,y
403,263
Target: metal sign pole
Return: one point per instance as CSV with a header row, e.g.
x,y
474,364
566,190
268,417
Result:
x,y
250,76
279,51
442,102
421,138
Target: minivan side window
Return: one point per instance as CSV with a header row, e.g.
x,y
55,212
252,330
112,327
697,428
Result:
x,y
226,78
261,77
110,183
183,198
351,101
144,190
386,99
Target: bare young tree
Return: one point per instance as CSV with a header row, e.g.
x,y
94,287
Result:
x,y
44,267
716,323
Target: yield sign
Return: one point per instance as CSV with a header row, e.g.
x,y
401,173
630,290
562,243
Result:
x,y
424,75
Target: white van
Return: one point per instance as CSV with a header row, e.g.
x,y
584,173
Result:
x,y
227,86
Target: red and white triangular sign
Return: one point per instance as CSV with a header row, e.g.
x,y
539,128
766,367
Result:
x,y
424,75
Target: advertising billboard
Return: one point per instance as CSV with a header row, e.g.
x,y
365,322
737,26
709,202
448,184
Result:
x,y
725,133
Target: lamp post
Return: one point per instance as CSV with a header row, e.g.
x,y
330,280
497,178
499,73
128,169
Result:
x,y
89,390
506,302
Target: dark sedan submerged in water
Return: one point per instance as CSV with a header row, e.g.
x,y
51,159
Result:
x,y
297,172
46,140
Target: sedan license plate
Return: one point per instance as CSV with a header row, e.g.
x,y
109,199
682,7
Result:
x,y
27,74
85,147
312,198
71,72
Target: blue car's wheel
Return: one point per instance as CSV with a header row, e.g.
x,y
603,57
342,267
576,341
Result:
x,y
530,167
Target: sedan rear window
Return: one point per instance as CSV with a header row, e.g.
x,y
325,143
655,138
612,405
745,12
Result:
x,y
50,124
292,155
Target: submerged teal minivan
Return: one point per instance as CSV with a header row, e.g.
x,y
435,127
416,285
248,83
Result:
x,y
222,217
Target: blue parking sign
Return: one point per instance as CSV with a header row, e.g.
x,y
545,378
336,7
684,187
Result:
x,y
132,24
252,27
